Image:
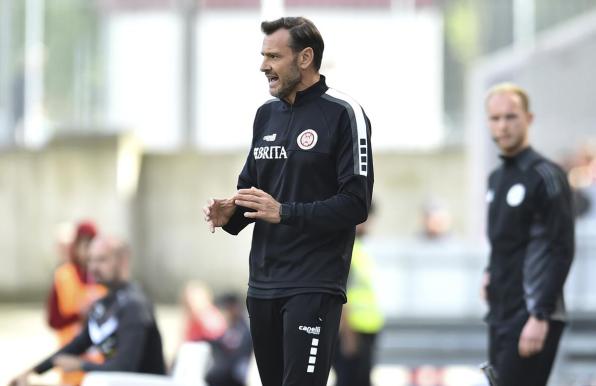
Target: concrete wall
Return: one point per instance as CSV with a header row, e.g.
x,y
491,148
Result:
x,y
96,177
71,179
172,237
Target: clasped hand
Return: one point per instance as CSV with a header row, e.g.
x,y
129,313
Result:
x,y
265,207
219,211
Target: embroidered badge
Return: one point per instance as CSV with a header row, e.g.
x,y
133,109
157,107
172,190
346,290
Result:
x,y
516,194
307,139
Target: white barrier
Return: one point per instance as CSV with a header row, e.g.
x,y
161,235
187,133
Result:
x,y
189,370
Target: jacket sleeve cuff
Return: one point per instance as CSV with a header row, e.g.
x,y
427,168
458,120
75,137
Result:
x,y
540,315
237,221
44,366
286,214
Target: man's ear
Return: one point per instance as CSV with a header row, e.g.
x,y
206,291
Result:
x,y
305,58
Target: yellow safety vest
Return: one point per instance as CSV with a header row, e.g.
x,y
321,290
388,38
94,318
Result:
x,y
364,314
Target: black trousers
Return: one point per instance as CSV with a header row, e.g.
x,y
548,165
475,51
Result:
x,y
355,369
513,370
294,338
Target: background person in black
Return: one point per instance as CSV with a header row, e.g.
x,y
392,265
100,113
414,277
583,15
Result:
x,y
121,324
531,231
231,353
307,182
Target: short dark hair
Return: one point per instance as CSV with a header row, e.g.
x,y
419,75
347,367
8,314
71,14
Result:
x,y
303,34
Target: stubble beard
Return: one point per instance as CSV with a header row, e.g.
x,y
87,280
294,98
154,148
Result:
x,y
289,85
513,147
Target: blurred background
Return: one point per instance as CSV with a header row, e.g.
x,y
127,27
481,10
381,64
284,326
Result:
x,y
133,113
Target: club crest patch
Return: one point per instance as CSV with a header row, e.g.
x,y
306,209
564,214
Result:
x,y
307,139
516,195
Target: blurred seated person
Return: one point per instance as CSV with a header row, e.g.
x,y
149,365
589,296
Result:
x,y
232,351
203,320
121,324
73,291
581,172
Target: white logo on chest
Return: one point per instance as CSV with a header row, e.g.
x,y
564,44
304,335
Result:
x,y
270,152
99,333
516,195
307,139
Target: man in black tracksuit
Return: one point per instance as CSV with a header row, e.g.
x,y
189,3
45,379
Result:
x,y
120,325
306,184
531,231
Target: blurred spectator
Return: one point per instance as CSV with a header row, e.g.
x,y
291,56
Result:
x,y
582,178
231,352
121,324
64,235
73,291
203,321
436,220
361,319
432,258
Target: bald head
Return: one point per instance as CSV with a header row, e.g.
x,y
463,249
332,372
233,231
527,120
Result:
x,y
509,118
109,260
513,89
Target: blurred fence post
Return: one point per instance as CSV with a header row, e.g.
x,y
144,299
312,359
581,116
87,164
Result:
x,y
6,105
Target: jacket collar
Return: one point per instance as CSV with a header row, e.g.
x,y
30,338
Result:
x,y
524,159
313,92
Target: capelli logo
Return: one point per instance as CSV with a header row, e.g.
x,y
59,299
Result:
x,y
310,330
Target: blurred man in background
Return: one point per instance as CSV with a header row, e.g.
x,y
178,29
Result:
x,y
121,324
531,232
232,351
306,184
72,293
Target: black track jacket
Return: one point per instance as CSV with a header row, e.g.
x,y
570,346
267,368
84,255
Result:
x,y
122,327
315,158
531,231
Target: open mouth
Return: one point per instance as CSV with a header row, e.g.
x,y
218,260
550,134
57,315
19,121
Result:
x,y
272,80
